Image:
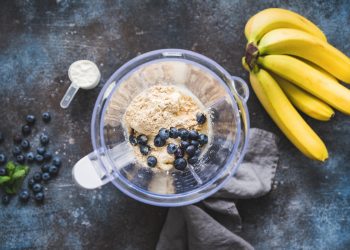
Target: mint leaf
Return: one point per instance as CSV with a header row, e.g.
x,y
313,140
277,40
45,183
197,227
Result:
x,y
10,167
19,174
4,179
22,167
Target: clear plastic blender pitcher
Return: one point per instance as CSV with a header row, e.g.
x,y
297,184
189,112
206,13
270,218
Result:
x,y
113,161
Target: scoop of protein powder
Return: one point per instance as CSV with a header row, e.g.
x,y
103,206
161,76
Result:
x,y
83,74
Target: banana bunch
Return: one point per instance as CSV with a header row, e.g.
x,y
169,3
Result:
x,y
292,66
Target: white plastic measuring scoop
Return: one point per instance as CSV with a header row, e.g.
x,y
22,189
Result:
x,y
83,74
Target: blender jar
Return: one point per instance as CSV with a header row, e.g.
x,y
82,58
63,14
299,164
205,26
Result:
x,y
112,160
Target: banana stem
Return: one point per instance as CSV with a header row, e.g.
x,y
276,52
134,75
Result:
x,y
251,55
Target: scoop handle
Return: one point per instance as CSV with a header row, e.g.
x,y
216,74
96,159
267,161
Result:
x,y
69,95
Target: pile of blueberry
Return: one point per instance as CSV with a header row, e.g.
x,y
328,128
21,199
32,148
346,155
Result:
x,y
187,151
41,156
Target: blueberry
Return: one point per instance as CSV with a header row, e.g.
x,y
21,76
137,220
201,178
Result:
x,y
24,195
164,133
171,148
194,143
26,129
47,156
41,150
37,176
145,149
46,116
198,152
44,139
45,168
25,144
30,157
45,176
17,138
3,171
159,142
3,159
57,161
20,159
31,183
39,196
173,133
16,151
200,117
30,119
193,135
180,164
53,170
5,199
203,139
132,140
142,139
179,153
37,187
191,150
2,137
39,158
183,133
192,160
184,144
151,161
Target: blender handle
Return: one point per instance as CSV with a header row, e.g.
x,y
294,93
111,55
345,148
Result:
x,y
241,88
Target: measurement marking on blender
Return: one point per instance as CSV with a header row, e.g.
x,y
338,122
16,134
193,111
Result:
x,y
195,175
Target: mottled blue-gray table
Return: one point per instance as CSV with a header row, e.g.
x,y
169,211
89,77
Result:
x,y
309,207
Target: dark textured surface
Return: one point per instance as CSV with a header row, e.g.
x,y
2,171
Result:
x,y
307,209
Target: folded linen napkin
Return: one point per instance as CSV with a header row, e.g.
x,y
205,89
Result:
x,y
191,227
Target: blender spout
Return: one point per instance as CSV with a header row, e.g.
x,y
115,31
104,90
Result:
x,y
240,87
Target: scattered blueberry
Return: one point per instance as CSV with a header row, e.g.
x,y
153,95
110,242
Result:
x,y
16,151
47,156
184,144
191,150
5,199
193,135
45,176
198,152
145,149
41,150
39,158
3,159
171,148
45,168
3,171
203,139
183,133
46,117
142,140
179,153
159,142
194,143
164,134
26,129
151,161
24,195
17,138
39,196
20,159
37,176
2,137
44,139
31,183
57,161
37,187
53,170
192,160
200,117
173,133
30,157
25,144
30,119
132,140
180,164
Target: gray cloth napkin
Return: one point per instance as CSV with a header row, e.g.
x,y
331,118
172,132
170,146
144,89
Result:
x,y
194,228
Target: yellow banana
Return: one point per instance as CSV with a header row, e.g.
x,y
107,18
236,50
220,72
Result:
x,y
318,83
274,18
299,43
286,117
305,102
